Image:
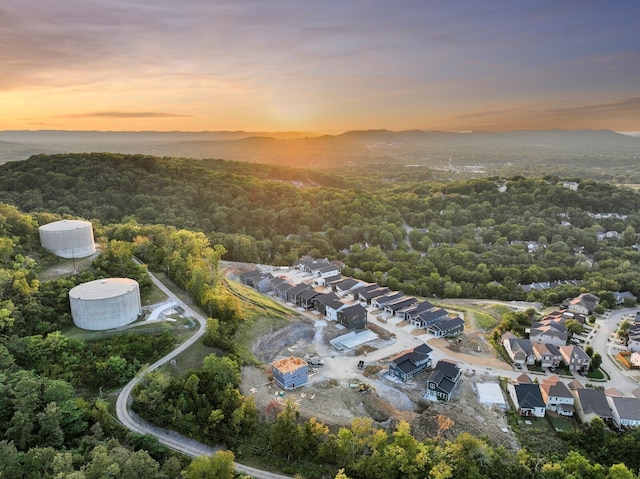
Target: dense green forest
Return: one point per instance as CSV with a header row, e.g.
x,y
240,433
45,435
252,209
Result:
x,y
471,238
55,425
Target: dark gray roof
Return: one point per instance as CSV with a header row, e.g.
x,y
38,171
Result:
x,y
422,306
335,304
529,395
307,295
346,284
333,279
432,314
594,401
354,311
553,349
408,361
447,368
364,288
389,298
450,323
627,407
403,302
374,293
298,289
326,298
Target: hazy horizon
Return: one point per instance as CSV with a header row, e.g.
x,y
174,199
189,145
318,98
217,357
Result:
x,y
321,68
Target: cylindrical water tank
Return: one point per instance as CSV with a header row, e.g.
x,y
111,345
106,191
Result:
x,y
68,238
105,303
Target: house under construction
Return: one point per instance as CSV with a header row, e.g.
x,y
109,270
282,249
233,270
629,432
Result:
x,y
290,373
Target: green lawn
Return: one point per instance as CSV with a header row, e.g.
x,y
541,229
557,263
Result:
x,y
560,423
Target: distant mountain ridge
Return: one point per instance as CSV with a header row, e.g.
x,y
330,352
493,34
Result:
x,y
304,149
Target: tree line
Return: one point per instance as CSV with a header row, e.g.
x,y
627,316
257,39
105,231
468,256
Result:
x,y
466,238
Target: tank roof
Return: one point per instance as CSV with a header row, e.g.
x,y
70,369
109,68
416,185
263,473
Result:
x,y
65,225
103,288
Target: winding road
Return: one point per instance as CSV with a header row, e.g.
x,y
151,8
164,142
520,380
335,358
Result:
x,y
168,438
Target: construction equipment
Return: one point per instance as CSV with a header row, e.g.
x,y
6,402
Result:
x,y
363,387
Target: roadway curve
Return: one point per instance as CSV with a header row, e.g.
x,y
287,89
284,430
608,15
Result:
x,y
171,439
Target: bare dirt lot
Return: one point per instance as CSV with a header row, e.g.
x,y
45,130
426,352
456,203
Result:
x,y
333,394
334,397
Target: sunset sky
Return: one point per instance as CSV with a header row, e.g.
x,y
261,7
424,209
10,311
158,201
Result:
x,y
320,66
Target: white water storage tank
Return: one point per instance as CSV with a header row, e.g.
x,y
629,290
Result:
x,y
105,303
68,238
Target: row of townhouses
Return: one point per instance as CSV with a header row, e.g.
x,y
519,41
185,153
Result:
x,y
345,299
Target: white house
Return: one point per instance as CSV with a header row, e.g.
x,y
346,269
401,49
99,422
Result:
x,y
626,410
557,396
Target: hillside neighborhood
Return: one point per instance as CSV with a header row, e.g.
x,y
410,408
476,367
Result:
x,y
549,363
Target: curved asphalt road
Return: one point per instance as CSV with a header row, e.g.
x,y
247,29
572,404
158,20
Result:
x,y
173,440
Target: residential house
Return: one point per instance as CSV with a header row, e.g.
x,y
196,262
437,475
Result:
x,y
625,410
442,380
547,355
404,302
326,271
345,285
409,363
353,317
322,300
315,265
290,373
447,327
527,399
323,281
548,333
275,282
332,308
410,312
355,292
575,358
307,299
381,301
301,264
292,294
633,335
248,277
282,288
591,403
625,296
557,397
367,297
519,350
424,319
584,304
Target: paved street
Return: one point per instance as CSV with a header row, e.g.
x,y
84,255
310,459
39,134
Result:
x,y
169,438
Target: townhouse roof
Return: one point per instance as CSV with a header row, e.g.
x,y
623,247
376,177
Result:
x,y
326,298
354,311
389,298
448,323
346,284
374,293
432,314
309,294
